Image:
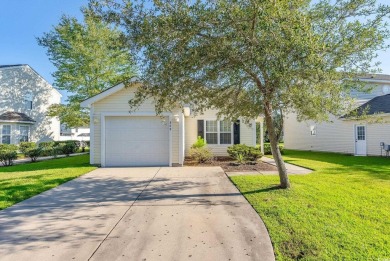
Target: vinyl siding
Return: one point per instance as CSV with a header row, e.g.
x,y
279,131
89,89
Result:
x,y
118,103
15,83
191,133
338,136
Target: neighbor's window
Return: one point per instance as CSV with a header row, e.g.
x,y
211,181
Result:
x,y
6,134
218,132
28,101
24,133
212,132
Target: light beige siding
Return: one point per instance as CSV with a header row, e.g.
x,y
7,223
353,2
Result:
x,y
377,133
247,135
118,103
336,136
333,137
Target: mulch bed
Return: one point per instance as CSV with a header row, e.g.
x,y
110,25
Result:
x,y
226,164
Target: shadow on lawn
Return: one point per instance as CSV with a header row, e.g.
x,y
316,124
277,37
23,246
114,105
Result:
x,y
272,188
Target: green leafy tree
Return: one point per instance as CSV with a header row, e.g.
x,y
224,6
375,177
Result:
x,y
250,58
90,56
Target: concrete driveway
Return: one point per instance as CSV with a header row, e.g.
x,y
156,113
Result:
x,y
189,213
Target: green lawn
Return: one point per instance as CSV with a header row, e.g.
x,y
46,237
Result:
x,y
26,180
339,212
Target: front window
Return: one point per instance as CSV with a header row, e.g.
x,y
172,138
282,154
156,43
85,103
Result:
x,y
6,134
225,136
212,132
24,133
218,132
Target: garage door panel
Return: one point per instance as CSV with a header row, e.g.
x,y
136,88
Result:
x,y
137,141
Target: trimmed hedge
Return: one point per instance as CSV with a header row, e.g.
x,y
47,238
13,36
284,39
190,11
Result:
x,y
267,149
242,152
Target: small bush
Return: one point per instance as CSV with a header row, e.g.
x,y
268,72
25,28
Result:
x,y
201,155
242,152
56,150
33,154
8,153
69,148
24,147
200,143
46,144
267,149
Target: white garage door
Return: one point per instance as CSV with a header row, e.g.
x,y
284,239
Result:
x,y
137,141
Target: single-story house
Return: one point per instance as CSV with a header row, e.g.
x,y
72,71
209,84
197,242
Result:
x,y
141,138
347,134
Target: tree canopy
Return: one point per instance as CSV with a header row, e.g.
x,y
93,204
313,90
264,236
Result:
x,y
90,56
250,58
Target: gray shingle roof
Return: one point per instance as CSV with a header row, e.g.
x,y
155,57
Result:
x,y
15,116
379,104
381,77
11,65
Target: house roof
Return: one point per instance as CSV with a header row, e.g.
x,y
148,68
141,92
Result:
x,y
379,104
12,116
11,65
87,103
83,135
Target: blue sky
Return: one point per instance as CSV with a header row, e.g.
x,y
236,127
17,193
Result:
x,y
21,21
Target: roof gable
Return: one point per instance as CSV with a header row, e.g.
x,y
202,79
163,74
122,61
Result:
x,y
88,102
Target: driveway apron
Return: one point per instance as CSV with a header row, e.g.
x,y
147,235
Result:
x,y
189,213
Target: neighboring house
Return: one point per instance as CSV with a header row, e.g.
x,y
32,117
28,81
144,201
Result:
x,y
140,138
344,135
24,99
80,133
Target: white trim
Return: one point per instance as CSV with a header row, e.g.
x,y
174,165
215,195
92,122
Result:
x,y
103,116
181,138
170,139
253,133
24,122
91,136
88,102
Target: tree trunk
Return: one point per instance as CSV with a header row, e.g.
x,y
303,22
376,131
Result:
x,y
284,182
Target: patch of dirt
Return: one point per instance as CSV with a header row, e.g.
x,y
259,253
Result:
x,y
226,164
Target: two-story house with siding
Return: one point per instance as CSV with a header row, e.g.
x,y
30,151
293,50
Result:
x,y
344,134
24,99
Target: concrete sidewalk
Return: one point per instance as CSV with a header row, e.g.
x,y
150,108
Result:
x,y
191,213
291,169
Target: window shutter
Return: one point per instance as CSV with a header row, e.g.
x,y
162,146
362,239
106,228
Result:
x,y
236,132
201,128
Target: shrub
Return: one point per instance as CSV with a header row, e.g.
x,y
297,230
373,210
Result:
x,y
8,153
33,154
200,143
24,147
46,144
242,152
267,149
201,155
56,150
69,148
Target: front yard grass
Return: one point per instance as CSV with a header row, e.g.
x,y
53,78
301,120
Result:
x,y
23,181
339,212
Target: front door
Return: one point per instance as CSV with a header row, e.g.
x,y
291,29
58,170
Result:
x,y
360,140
